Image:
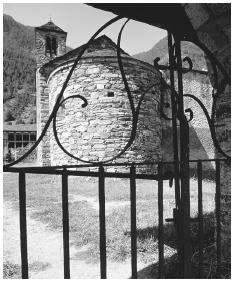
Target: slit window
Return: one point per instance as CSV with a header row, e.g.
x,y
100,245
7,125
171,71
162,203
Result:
x,y
110,94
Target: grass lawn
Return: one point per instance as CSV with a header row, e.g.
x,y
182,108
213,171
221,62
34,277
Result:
x,y
44,203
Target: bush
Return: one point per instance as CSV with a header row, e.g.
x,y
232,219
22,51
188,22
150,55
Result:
x,y
11,270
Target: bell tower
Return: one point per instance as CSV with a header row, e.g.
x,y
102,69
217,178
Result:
x,y
50,42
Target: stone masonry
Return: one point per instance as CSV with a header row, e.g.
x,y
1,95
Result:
x,y
100,131
48,30
42,97
212,23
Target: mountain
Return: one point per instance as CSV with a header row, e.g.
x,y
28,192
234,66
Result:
x,y
160,49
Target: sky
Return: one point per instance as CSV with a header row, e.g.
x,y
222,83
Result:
x,y
81,21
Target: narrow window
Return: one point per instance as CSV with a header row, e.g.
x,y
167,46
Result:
x,y
51,46
48,45
54,46
110,94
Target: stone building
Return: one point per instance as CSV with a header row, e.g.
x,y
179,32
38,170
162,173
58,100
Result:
x,y
101,130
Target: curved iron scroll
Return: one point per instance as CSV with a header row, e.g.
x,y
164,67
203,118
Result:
x,y
217,90
210,123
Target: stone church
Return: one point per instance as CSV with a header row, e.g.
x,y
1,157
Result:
x,y
100,131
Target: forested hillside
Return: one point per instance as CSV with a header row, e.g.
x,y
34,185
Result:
x,y
18,68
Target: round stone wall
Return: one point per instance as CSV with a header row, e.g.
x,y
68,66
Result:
x,y
101,130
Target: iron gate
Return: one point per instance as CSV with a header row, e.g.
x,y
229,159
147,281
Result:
x,y
180,174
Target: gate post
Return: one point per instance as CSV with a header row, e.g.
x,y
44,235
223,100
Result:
x,y
176,210
184,209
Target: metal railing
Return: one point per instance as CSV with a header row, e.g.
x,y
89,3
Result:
x,y
101,174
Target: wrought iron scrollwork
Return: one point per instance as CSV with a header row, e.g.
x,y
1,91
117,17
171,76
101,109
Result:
x,y
190,111
210,123
190,64
55,124
217,90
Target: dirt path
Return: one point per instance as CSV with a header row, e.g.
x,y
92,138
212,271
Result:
x,y
45,251
94,203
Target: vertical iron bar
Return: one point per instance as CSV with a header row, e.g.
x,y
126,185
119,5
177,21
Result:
x,y
133,222
218,219
174,122
23,225
102,223
160,215
184,171
174,103
66,251
200,219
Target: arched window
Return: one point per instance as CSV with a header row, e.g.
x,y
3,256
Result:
x,y
51,46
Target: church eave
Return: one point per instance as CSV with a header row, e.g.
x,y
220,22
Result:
x,y
50,30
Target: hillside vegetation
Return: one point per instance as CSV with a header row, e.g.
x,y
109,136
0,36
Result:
x,y
18,69
19,66
160,49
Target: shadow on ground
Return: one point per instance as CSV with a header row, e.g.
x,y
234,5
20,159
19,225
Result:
x,y
171,265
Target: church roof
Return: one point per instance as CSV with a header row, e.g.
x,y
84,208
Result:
x,y
19,127
102,46
50,26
